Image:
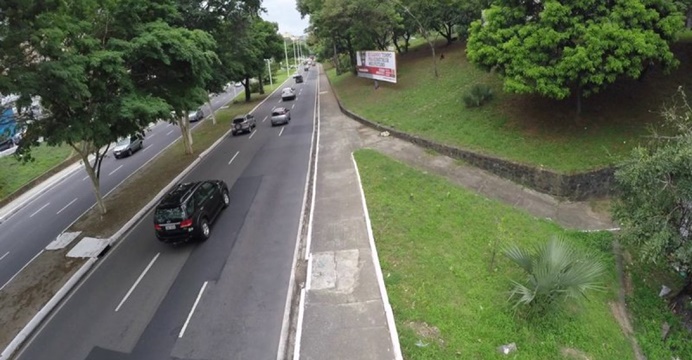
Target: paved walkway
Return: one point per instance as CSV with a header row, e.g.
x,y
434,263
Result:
x,y
344,313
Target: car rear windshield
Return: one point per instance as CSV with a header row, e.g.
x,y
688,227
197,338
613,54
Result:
x,y
169,215
278,112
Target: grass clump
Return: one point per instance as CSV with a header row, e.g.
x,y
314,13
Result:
x,y
436,244
479,95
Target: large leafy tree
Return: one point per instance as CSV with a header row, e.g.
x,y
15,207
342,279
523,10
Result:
x,y
555,48
654,205
76,57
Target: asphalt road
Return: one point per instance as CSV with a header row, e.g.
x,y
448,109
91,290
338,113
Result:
x,y
26,233
221,299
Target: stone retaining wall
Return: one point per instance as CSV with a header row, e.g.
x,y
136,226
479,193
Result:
x,y
575,187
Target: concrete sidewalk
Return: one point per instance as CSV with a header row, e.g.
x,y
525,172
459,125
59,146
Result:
x,y
346,313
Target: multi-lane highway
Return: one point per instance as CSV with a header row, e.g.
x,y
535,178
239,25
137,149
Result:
x,y
26,232
221,299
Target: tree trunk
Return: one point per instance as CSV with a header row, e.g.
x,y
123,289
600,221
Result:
x,y
407,39
213,114
247,89
446,32
399,48
261,84
184,124
94,179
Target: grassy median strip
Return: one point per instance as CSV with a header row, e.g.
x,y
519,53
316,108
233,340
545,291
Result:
x,y
440,247
15,174
523,128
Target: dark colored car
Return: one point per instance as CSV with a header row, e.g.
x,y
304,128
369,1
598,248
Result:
x,y
242,124
298,78
187,211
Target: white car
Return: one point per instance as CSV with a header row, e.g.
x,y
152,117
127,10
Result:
x,y
128,145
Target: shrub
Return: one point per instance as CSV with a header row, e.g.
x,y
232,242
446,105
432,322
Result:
x,y
556,271
479,95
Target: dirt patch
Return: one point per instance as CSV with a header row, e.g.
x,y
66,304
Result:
x,y
574,354
31,289
620,313
426,332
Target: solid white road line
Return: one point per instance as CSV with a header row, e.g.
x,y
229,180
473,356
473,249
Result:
x,y
22,269
233,158
65,207
192,311
170,132
36,212
2,257
116,169
282,131
265,118
141,276
253,134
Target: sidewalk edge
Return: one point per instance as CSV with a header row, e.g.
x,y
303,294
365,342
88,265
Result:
x,y
396,346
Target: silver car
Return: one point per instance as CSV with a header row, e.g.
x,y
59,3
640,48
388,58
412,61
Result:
x,y
288,94
281,115
243,124
128,145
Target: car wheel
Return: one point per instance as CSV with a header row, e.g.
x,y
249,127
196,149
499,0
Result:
x,y
129,152
226,199
205,230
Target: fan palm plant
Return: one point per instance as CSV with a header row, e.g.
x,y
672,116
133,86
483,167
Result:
x,y
555,271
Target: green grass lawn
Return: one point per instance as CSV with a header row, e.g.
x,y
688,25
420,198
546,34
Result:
x,y
435,242
15,174
526,129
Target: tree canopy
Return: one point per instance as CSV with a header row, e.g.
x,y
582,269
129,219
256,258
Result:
x,y
555,48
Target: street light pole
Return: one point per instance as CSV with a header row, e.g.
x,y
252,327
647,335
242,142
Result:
x,y
295,53
269,67
288,74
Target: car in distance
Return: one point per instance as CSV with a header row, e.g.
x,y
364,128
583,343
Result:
x,y
243,124
281,115
288,94
298,78
187,211
128,146
195,115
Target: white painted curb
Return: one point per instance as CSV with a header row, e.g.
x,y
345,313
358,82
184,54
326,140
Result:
x,y
380,279
38,318
53,302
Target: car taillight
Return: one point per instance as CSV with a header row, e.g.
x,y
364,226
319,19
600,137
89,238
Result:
x,y
157,227
186,223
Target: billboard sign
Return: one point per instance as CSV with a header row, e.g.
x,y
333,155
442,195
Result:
x,y
377,65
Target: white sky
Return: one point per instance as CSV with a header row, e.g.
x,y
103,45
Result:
x,y
284,12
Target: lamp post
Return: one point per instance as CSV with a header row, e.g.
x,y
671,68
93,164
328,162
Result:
x,y
269,69
295,53
288,74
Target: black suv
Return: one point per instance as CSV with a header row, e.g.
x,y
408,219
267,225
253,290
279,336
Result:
x,y
186,212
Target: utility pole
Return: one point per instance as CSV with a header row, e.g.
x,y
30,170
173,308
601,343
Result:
x,y
295,53
269,67
288,74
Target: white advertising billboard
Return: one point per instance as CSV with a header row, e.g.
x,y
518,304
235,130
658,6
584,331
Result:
x,y
377,65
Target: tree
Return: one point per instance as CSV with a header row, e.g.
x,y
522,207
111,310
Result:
x,y
654,206
174,64
75,57
555,48
441,16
